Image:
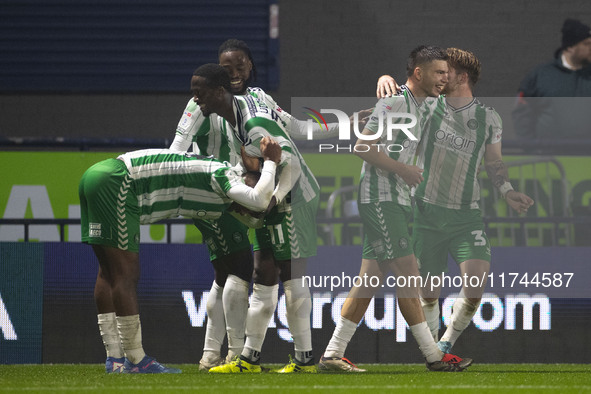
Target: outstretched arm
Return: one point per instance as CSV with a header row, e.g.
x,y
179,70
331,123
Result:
x,y
298,130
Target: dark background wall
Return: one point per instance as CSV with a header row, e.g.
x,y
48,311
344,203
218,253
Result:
x,y
327,48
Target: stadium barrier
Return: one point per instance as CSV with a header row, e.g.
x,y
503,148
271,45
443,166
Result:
x,y
549,222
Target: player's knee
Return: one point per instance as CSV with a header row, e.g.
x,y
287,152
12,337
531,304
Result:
x,y
267,277
124,286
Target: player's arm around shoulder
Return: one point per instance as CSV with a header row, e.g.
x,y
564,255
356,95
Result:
x,y
368,146
290,167
270,149
371,153
265,125
387,86
254,193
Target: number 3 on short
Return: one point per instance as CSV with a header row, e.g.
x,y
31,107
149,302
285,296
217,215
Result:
x,y
479,240
276,234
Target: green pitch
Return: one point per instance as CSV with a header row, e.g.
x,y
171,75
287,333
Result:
x,y
488,378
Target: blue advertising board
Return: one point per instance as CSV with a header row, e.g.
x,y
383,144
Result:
x,y
21,302
47,300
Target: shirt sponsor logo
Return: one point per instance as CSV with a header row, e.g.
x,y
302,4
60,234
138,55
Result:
x,y
454,141
94,229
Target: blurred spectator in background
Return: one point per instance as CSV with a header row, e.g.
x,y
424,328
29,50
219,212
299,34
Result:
x,y
549,103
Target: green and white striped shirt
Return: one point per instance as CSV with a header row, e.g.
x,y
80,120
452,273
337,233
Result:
x,y
203,134
171,184
379,185
209,136
451,152
256,120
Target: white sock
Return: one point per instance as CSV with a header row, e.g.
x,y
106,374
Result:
x,y
215,330
431,311
130,331
262,306
298,305
341,337
235,301
108,328
462,313
427,345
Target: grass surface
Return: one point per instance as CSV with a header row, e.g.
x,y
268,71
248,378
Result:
x,y
487,378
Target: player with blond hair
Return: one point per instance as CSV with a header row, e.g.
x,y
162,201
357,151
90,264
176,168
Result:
x,y
447,217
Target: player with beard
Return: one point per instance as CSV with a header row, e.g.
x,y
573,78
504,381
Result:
x,y
447,217
385,209
288,235
227,240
